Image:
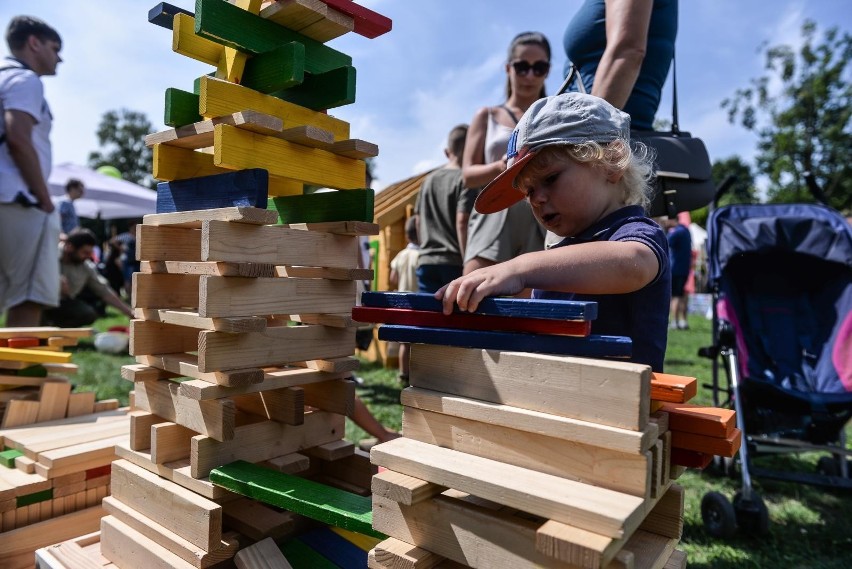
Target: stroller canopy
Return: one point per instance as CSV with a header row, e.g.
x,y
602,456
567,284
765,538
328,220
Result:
x,y
812,230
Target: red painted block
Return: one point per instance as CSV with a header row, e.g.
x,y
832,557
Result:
x,y
467,321
99,471
367,23
690,458
22,342
710,445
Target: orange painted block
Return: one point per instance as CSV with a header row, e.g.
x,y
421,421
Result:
x,y
673,388
22,342
708,445
709,421
690,458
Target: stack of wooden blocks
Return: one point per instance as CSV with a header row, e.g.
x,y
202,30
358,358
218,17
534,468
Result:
x,y
513,459
243,335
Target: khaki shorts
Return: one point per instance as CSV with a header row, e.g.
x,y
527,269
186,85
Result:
x,y
29,257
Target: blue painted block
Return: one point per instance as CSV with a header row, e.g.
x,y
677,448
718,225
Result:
x,y
163,14
594,346
243,188
336,549
492,306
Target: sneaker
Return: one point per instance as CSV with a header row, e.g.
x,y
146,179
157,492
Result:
x,y
683,325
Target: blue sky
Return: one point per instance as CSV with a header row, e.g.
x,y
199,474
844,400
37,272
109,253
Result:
x,y
440,63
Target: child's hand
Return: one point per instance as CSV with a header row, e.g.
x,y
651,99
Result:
x,y
469,290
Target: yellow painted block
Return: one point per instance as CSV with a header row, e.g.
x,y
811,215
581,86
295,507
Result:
x,y
176,163
361,541
34,356
234,61
185,42
219,98
237,149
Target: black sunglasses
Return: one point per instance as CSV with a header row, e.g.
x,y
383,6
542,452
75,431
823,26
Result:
x,y
539,68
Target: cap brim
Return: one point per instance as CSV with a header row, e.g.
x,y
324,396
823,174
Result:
x,y
501,192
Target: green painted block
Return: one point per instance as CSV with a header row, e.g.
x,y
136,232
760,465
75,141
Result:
x,y
181,108
281,68
224,23
7,457
29,499
301,556
33,371
305,497
343,205
322,91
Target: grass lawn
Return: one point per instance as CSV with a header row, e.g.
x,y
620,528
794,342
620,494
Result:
x,y
810,527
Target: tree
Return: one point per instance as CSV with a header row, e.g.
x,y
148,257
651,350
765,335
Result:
x,y
803,126
743,189
121,135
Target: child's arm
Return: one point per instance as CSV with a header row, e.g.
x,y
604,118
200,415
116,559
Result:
x,y
606,267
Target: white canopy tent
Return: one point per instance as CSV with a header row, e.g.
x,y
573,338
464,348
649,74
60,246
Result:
x,y
105,197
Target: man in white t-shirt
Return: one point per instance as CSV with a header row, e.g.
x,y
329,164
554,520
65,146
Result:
x,y
29,225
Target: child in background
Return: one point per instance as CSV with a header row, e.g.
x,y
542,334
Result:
x,y
403,276
570,157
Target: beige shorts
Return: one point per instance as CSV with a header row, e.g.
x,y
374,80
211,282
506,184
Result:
x,y
29,258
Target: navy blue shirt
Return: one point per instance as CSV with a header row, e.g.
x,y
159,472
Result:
x,y
680,250
641,315
585,42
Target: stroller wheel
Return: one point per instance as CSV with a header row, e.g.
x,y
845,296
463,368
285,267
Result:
x,y
752,515
718,515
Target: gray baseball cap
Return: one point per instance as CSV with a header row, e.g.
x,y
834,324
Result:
x,y
569,118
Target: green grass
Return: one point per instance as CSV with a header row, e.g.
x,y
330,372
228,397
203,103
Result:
x,y
810,527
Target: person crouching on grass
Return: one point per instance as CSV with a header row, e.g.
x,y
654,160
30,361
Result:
x,y
570,157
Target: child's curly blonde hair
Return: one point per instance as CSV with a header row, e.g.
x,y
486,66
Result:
x,y
635,164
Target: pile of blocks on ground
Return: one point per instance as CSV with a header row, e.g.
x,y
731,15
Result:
x,y
520,459
57,445
243,335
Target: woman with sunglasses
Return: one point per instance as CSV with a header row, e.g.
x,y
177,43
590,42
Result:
x,y
498,237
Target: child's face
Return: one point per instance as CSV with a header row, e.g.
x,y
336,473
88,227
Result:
x,y
567,196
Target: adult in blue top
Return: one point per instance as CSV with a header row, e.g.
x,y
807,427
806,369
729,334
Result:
x,y
623,50
680,259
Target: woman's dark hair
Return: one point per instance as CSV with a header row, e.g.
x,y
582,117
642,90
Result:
x,y
527,38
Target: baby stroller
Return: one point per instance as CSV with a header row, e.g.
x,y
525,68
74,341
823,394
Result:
x,y
781,279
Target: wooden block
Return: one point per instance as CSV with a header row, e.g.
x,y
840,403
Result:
x,y
22,342
127,547
273,346
34,356
7,457
677,560
285,405
239,189
105,405
212,418
262,555
657,468
609,393
708,421
270,379
573,431
492,306
261,441
23,436
334,365
231,325
589,346
187,365
200,134
230,26
395,553
301,554
175,163
334,450
236,149
234,296
355,149
81,453
184,549
318,91
594,509
258,521
171,505
163,14
336,549
366,543
140,429
402,488
13,381
301,496
19,412
280,68
81,403
292,463
666,517
334,320
690,458
165,291
218,98
339,227
185,42
236,242
604,468
24,464
61,341
209,268
661,419
170,442
649,549
351,205
468,321
45,332
181,108
337,396
23,541
35,443
167,244
311,18
355,469
673,388
193,219
708,445
147,337
367,23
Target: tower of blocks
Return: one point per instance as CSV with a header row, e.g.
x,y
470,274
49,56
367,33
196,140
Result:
x,y
243,333
57,446
532,457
